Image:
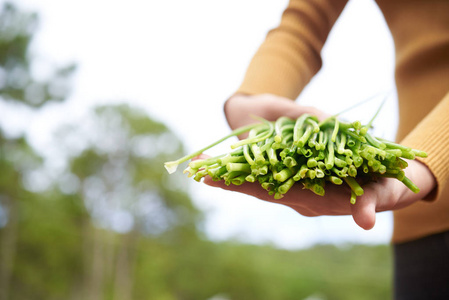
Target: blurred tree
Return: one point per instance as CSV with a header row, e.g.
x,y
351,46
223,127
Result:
x,y
17,159
93,213
116,181
20,78
117,169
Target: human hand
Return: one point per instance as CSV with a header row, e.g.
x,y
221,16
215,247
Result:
x,y
239,109
384,195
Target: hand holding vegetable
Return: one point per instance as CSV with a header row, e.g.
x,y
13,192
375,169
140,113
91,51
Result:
x,y
283,160
383,195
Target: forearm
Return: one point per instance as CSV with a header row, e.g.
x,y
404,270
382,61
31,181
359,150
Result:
x,y
432,136
290,55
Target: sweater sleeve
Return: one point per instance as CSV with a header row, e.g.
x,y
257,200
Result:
x,y
432,136
291,53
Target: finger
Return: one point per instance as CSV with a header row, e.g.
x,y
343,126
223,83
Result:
x,y
364,212
248,188
257,191
300,110
292,110
200,156
307,203
304,211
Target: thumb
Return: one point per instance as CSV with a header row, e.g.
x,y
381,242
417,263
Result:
x,y
364,212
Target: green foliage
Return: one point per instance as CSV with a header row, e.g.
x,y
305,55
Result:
x,y
17,83
119,166
49,260
204,269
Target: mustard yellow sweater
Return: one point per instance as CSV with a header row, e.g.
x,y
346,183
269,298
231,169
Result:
x,y
290,56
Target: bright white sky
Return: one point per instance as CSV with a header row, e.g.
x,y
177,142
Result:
x,y
180,60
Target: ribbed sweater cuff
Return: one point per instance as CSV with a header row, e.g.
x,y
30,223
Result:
x,y
432,136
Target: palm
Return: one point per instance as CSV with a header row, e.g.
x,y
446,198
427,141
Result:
x,y
335,202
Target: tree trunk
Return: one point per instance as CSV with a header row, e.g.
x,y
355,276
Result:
x,y
124,268
93,263
8,245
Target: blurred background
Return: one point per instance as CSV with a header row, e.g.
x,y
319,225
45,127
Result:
x,y
96,95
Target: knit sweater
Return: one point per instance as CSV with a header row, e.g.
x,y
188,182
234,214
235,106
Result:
x,y
290,56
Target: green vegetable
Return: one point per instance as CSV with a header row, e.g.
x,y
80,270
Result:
x,y
285,152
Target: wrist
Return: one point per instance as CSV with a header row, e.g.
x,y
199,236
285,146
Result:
x,y
423,178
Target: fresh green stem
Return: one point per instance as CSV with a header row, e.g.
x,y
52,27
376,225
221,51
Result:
x,y
373,151
350,141
311,174
247,155
268,144
408,183
190,171
352,171
382,169
298,128
200,174
238,180
272,156
279,127
339,162
284,174
334,179
264,133
301,173
318,188
392,145
312,162
398,174
354,185
335,132
231,159
408,155
356,136
258,156
303,140
250,178
419,153
241,167
376,114
290,162
259,170
286,186
394,152
374,141
341,142
319,173
356,125
330,154
196,164
315,126
339,172
353,198
216,173
171,166
312,140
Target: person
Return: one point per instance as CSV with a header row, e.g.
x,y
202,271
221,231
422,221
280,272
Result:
x,y
284,64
